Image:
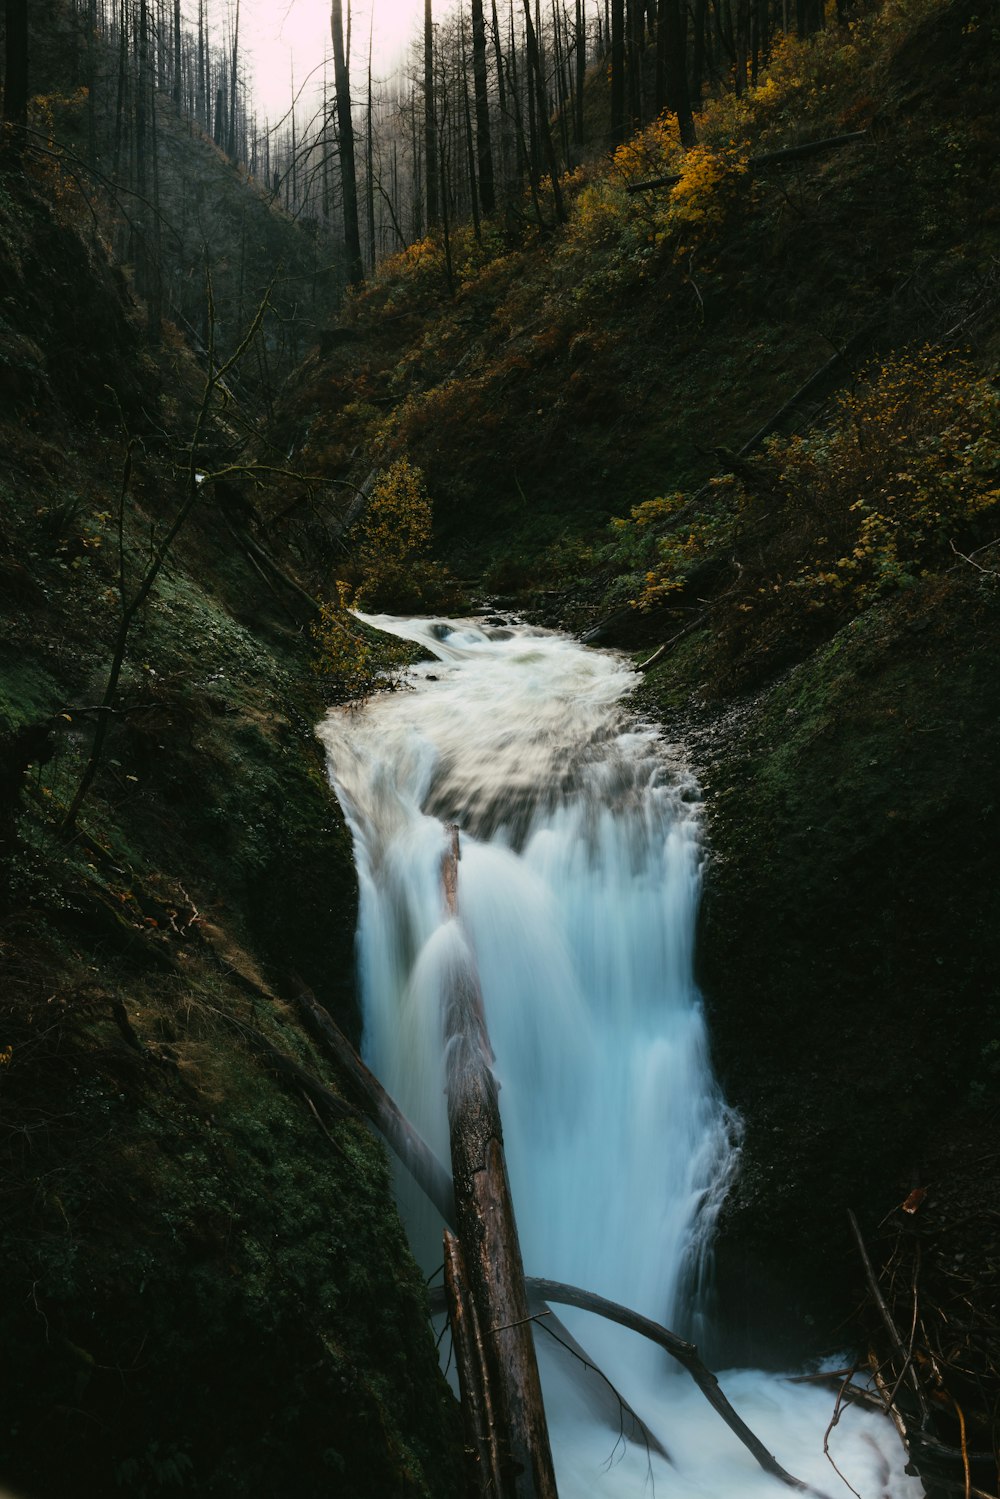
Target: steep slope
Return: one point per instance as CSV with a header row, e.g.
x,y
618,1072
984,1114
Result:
x,y
205,1280
574,375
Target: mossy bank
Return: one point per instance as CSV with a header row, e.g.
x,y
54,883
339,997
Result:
x,y
206,1283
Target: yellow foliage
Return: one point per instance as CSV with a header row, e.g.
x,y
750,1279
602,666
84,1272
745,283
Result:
x,y
352,662
910,466
395,532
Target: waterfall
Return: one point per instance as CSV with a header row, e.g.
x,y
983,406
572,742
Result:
x,y
579,880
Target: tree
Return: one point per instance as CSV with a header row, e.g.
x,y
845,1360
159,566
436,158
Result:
x,y
15,84
617,72
345,131
131,601
431,204
233,83
484,144
542,106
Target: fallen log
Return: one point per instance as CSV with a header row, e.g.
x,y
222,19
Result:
x,y
765,159
487,1232
470,1361
367,1094
411,1149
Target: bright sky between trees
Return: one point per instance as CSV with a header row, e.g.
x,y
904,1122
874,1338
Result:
x,y
286,37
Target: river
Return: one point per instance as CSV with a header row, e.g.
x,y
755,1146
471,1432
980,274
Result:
x,y
581,865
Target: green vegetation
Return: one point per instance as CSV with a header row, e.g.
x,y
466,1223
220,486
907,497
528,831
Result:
x,y
206,1282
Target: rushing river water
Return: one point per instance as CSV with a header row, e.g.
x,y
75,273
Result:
x,y
578,888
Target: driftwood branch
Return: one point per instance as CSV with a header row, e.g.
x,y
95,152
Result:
x,y
368,1095
765,159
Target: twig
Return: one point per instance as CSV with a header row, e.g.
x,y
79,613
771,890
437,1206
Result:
x,y
834,1421
890,1326
968,557
685,1353
965,1449
913,1327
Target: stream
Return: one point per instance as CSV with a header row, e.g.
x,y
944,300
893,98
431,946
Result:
x,y
581,862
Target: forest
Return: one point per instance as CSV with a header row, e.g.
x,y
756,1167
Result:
x,y
499,616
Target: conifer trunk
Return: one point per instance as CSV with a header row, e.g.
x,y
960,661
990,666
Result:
x,y
345,131
484,143
15,86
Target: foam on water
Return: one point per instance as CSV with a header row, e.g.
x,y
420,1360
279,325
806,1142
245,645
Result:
x,y
578,889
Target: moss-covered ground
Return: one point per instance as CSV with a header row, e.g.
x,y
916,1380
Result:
x,y
206,1286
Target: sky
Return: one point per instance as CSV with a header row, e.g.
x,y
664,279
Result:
x,y
282,35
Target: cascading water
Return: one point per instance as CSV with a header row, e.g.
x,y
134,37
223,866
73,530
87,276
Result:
x,y
578,889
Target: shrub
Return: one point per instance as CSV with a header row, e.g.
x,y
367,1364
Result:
x,y
354,661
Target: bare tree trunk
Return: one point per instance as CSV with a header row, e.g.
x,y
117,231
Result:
x,y
535,68
469,145
673,20
484,143
432,207
617,72
202,70
370,156
345,131
143,91
178,56
233,86
581,73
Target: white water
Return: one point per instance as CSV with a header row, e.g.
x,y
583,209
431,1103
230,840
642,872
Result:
x,y
578,886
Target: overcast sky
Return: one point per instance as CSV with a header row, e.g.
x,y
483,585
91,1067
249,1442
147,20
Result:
x,y
282,35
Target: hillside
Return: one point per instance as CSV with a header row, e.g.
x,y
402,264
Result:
x,y
206,1281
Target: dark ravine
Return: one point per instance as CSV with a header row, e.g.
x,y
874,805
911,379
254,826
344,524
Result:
x,y
848,953
206,1282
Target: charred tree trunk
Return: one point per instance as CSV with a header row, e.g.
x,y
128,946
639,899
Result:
x,y
673,22
484,143
535,70
617,72
15,82
432,209
345,132
233,86
178,56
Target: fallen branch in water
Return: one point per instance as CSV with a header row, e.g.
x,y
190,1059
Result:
x,y
410,1148
685,1353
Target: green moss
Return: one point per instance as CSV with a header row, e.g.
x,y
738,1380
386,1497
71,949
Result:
x,y
849,934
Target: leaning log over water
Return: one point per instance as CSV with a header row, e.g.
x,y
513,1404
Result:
x,y
685,1353
411,1149
487,1232
470,1361
367,1094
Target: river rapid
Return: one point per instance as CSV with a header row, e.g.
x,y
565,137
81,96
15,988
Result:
x,y
581,863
